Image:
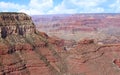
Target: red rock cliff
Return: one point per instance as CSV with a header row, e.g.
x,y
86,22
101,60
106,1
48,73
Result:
x,y
24,50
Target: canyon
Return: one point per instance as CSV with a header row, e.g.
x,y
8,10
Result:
x,y
31,48
91,40
100,26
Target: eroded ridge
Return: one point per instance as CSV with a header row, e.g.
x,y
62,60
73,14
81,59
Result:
x,y
26,51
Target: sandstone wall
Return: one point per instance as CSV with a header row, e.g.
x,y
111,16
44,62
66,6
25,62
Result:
x,y
24,50
15,23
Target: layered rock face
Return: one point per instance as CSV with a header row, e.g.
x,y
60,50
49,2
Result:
x,y
80,26
89,58
15,23
24,50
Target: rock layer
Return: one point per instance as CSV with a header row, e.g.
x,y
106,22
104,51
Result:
x,y
94,59
24,50
101,26
15,23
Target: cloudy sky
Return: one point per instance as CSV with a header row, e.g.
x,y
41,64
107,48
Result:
x,y
35,7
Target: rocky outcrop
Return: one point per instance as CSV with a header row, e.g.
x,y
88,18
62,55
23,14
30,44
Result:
x,y
26,51
15,23
86,41
117,62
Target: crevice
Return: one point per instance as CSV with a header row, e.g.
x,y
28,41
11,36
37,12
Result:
x,y
106,45
3,32
93,58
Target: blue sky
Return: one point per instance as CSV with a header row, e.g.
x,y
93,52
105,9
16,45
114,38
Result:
x,y
35,7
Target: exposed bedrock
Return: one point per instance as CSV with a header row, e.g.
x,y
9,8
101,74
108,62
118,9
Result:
x,y
26,51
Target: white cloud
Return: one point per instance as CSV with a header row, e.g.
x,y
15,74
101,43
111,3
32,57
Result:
x,y
115,6
93,10
62,9
78,6
39,6
31,11
8,5
34,7
65,7
87,3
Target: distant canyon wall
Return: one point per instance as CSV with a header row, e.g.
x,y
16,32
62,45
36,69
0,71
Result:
x,y
76,26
